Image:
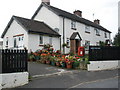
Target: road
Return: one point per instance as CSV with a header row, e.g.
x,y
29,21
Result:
x,y
82,79
71,79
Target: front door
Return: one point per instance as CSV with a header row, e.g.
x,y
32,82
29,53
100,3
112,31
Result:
x,y
77,44
74,44
75,41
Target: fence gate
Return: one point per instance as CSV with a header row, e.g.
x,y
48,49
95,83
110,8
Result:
x,y
97,53
13,60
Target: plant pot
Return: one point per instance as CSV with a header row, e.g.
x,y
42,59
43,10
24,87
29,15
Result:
x,y
42,61
63,64
75,65
47,62
52,63
58,64
37,57
69,66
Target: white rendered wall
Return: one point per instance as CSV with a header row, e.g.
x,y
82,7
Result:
x,y
15,29
92,37
48,17
119,14
34,42
56,21
103,65
11,80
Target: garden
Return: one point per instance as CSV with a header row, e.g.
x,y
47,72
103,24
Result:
x,y
55,58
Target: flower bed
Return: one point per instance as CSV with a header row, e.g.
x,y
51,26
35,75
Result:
x,y
48,56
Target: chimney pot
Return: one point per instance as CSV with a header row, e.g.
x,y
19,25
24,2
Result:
x,y
46,2
78,13
97,21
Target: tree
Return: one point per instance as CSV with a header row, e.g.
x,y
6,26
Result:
x,y
116,41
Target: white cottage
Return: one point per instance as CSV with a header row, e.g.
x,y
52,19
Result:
x,y
54,26
25,33
75,30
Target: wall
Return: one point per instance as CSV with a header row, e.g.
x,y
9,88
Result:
x,y
15,29
92,37
119,14
33,42
48,17
103,65
56,21
11,80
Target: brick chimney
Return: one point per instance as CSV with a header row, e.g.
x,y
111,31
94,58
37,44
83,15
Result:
x,y
46,2
97,21
78,13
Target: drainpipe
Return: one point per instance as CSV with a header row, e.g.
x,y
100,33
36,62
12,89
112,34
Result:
x,y
60,43
63,34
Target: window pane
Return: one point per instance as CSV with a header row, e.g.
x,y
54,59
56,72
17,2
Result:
x,y
73,24
41,39
50,40
87,28
15,42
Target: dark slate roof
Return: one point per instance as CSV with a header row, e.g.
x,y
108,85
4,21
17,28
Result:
x,y
73,36
32,26
71,16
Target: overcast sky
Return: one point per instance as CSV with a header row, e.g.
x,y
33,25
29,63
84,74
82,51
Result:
x,y
104,10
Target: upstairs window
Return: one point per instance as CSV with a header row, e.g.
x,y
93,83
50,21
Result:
x,y
73,25
87,29
105,35
97,32
40,39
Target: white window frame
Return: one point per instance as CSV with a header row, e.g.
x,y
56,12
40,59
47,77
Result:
x,y
87,44
97,31
50,40
6,43
105,34
40,39
87,29
73,24
15,42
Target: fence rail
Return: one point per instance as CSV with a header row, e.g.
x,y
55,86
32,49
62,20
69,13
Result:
x,y
98,53
13,60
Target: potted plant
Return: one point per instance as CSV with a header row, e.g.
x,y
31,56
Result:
x,y
64,45
52,59
57,63
63,63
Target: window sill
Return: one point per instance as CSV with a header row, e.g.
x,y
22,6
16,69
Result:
x,y
74,28
41,45
87,32
98,34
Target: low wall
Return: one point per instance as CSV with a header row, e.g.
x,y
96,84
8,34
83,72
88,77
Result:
x,y
10,80
103,65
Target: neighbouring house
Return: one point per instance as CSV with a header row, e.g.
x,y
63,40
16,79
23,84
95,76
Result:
x,y
23,33
54,26
1,44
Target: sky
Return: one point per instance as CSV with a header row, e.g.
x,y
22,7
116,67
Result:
x,y
104,10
